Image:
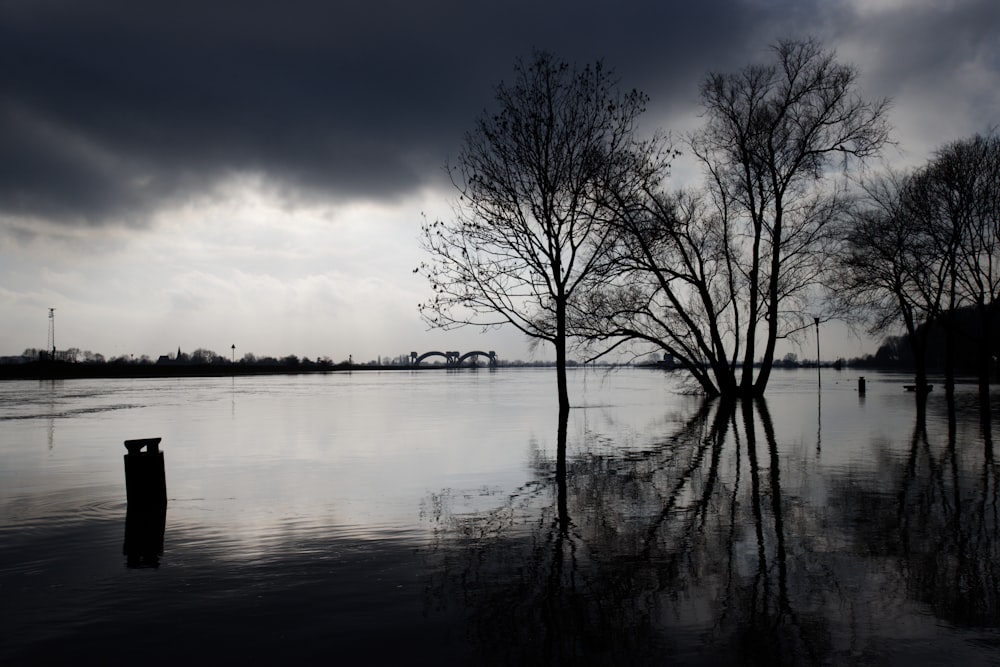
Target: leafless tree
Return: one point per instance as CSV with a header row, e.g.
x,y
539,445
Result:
x,y
716,278
529,226
891,270
957,199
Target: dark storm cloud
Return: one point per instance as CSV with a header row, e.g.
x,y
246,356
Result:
x,y
109,110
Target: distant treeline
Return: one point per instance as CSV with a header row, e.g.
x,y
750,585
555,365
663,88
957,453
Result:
x,y
75,363
201,356
965,348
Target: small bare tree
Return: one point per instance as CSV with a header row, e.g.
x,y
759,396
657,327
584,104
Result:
x,y
529,224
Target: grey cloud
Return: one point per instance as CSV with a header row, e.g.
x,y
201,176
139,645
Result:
x,y
113,109
930,40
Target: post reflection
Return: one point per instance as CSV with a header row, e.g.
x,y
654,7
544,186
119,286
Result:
x,y
695,549
144,531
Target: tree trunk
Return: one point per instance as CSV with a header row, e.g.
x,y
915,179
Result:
x,y
772,310
920,361
746,379
949,338
560,343
726,380
918,344
983,356
561,488
949,351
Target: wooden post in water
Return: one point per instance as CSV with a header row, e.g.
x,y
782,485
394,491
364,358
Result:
x,y
146,514
145,475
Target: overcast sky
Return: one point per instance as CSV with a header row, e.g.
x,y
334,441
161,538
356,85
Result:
x,y
203,174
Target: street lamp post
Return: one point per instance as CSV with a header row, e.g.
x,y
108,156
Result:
x,y
816,322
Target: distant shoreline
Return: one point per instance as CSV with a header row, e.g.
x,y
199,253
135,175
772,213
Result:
x,y
66,370
58,370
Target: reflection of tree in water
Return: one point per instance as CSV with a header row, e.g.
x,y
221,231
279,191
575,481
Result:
x,y
940,525
677,550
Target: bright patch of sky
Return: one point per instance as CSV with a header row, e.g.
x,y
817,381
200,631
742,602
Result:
x,y
243,268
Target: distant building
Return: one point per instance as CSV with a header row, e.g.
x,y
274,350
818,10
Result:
x,y
164,359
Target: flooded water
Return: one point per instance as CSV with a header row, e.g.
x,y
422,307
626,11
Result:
x,y
428,518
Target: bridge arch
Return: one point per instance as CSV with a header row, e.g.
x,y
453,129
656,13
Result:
x,y
449,357
453,358
478,353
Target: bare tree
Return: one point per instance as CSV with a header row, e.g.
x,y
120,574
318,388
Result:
x,y
891,270
528,225
717,278
958,202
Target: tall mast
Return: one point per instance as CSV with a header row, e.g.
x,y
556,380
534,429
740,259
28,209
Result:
x,y
52,333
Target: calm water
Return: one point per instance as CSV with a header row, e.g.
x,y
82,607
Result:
x,y
421,518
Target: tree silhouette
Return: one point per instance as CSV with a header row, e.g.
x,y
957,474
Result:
x,y
890,271
958,200
716,278
528,226
924,248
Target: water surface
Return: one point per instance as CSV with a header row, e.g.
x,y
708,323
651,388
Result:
x,y
422,517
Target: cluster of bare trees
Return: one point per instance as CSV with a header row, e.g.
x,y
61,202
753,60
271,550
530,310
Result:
x,y
716,277
565,228
924,246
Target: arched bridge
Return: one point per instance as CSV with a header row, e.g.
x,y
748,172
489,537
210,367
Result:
x,y
454,358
